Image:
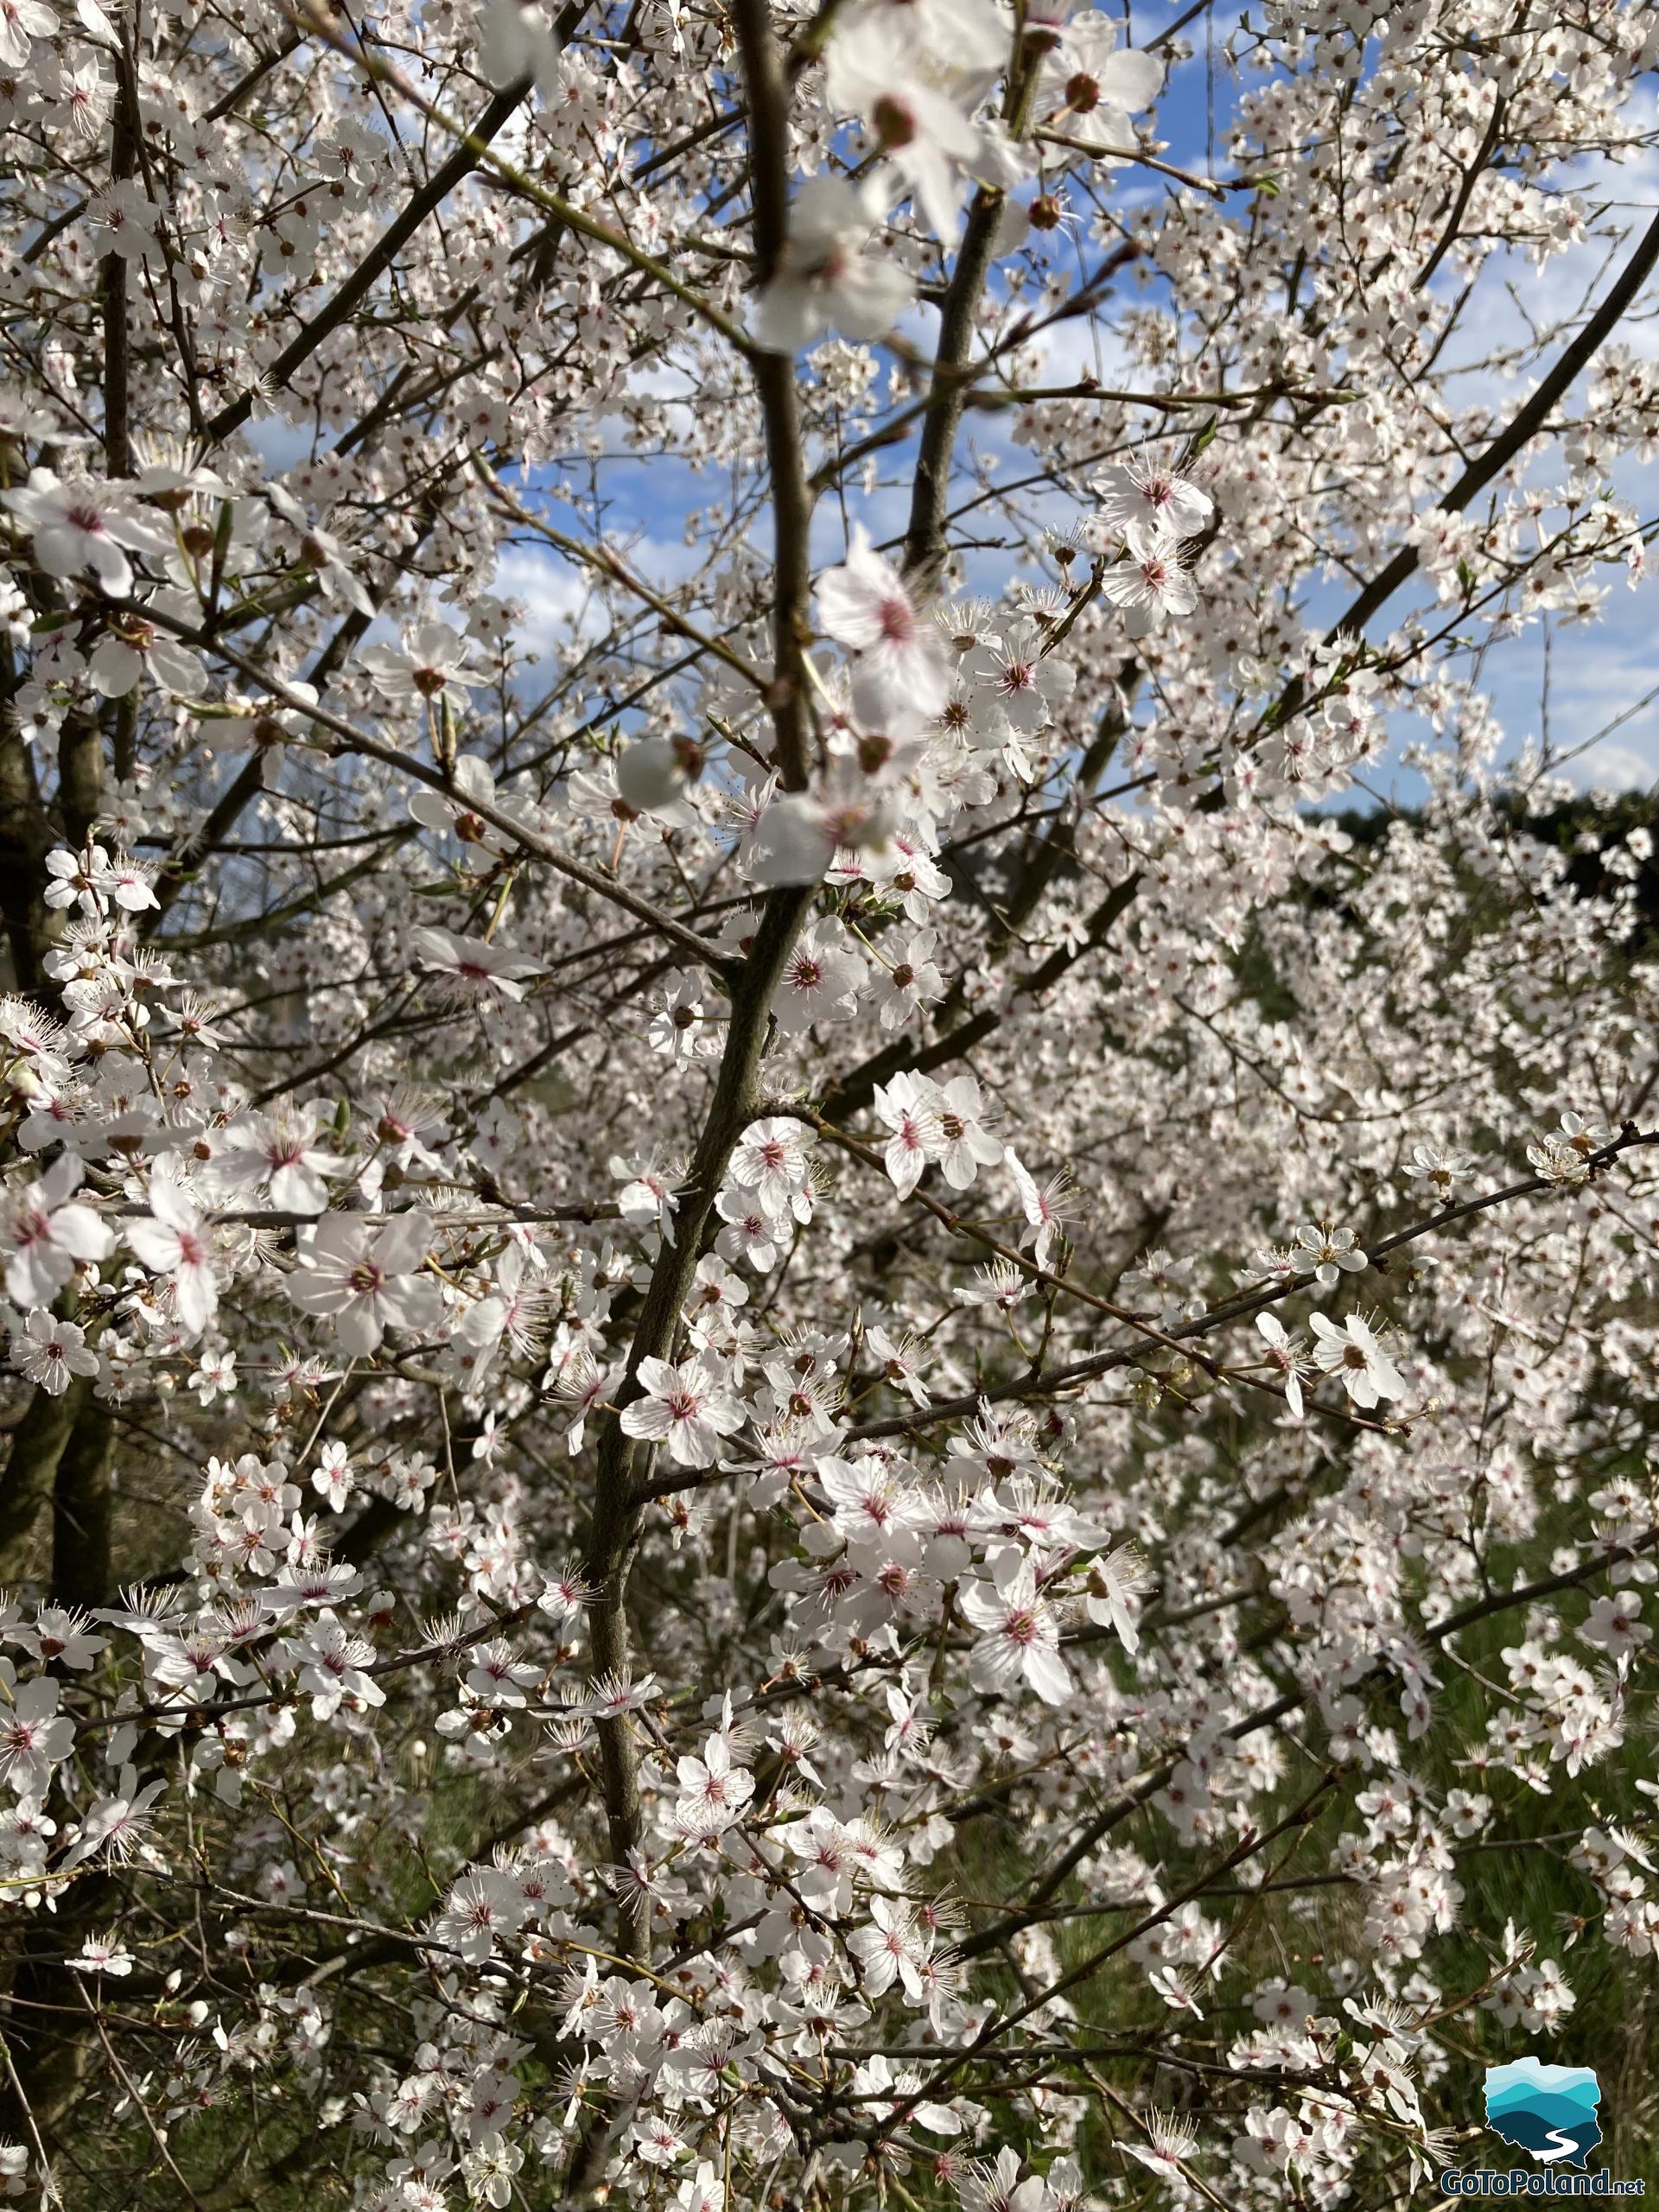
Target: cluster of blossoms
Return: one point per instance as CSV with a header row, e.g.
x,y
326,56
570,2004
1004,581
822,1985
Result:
x,y
798,1394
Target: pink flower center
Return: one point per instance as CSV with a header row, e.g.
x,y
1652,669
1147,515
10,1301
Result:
x,y
897,620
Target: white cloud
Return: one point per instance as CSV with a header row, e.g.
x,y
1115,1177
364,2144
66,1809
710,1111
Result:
x,y
554,594
1609,767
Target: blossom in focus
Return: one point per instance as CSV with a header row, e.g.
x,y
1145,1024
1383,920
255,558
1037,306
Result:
x,y
49,1351
907,979
91,878
1563,1154
34,1737
1019,1637
965,1143
821,981
1150,582
892,1948
117,1824
1439,1175
714,1791
277,1154
1114,1580
684,1407
1023,686
1142,493
132,650
772,1158
366,1280
1090,77
906,1103
1353,1352
1050,1209
1327,1254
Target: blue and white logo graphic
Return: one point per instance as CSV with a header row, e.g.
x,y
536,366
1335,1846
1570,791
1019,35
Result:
x,y
1549,2110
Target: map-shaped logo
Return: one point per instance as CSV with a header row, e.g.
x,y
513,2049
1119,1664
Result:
x,y
1549,2110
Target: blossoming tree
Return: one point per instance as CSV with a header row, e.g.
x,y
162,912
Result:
x,y
821,1390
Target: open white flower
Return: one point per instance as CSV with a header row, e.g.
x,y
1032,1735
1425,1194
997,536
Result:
x,y
175,1241
1150,582
1284,1349
901,662
1090,78
821,980
931,142
81,524
366,1281
1021,685
1327,1254
1018,1636
797,837
828,278
277,1154
907,978
654,773
119,1824
908,1104
102,1955
434,662
965,1143
714,1791
474,969
1142,492
1353,1352
473,784
687,1407
1114,1581
132,650
893,1949
34,1737
47,1234
49,1351
955,34
772,1158
21,22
